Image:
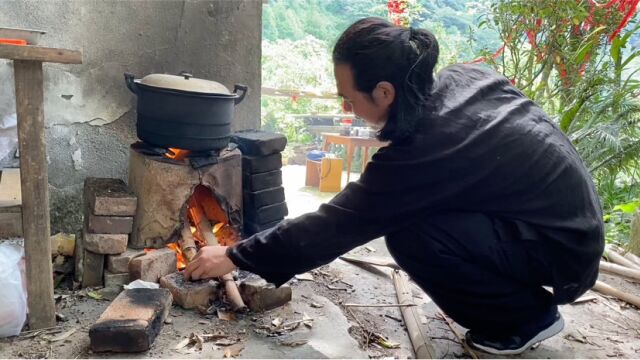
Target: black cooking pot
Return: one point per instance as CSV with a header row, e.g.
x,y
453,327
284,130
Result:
x,y
180,111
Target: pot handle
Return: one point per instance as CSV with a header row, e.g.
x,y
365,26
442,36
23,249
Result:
x,y
244,89
128,79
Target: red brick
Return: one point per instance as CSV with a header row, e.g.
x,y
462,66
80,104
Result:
x,y
131,322
153,265
107,196
114,280
89,266
108,224
189,294
106,243
120,263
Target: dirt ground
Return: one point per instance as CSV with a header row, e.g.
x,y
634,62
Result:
x,y
599,327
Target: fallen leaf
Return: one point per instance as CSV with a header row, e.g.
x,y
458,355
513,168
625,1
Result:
x,y
208,337
294,342
182,344
316,305
62,336
384,342
305,277
203,322
94,295
226,315
277,322
198,340
233,350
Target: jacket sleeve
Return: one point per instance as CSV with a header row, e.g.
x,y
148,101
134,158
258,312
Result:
x,y
379,203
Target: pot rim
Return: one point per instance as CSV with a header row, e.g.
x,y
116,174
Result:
x,y
185,92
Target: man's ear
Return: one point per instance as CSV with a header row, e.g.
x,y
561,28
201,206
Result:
x,y
384,93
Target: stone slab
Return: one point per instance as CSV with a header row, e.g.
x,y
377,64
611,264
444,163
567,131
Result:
x,y
189,294
259,295
266,214
258,199
153,265
115,280
258,182
107,196
259,143
131,322
261,164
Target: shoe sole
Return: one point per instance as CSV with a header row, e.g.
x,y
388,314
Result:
x,y
552,330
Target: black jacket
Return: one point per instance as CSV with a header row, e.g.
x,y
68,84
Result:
x,y
485,147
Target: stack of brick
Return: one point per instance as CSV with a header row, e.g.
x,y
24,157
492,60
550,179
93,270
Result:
x,y
108,220
263,195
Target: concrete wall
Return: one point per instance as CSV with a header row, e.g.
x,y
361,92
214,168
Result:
x,y
90,114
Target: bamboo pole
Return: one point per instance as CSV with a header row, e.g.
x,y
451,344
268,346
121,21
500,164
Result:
x,y
615,256
631,257
607,289
620,270
421,342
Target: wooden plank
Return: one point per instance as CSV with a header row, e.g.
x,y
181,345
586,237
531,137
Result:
x,y
10,222
35,194
40,53
10,194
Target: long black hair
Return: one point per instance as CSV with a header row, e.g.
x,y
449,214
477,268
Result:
x,y
376,51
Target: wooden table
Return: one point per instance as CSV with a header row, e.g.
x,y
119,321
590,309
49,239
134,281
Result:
x,y
351,142
27,67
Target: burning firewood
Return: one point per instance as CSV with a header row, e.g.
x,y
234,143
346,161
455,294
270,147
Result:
x,y
204,228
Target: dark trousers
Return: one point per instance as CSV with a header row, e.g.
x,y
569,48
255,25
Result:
x,y
483,281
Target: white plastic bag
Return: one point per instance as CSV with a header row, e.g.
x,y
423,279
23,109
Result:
x,y
141,284
8,135
13,296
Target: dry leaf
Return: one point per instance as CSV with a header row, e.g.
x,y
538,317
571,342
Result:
x,y
182,344
307,321
62,336
226,342
226,316
277,322
304,277
203,322
94,295
198,340
209,337
294,342
233,350
316,305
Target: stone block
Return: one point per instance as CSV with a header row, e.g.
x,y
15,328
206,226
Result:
x,y
266,214
120,263
107,196
108,224
115,280
258,199
189,294
153,265
131,322
89,266
259,143
258,182
259,295
105,243
252,228
261,164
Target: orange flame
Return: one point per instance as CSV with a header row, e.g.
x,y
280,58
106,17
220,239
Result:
x,y
176,154
181,261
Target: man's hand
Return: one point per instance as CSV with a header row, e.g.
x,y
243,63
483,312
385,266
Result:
x,y
209,262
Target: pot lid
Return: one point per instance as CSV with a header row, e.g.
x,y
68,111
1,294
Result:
x,y
185,82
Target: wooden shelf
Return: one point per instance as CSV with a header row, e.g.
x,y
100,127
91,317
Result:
x,y
39,53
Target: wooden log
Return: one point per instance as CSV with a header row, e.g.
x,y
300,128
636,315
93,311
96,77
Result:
x,y
614,254
378,261
607,289
620,270
40,54
35,192
421,342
